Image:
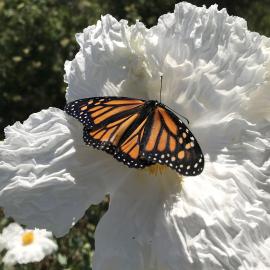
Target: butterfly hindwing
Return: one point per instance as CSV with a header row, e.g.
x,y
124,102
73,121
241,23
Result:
x,y
130,146
168,141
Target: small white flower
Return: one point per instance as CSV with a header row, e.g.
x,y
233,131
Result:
x,y
216,73
25,246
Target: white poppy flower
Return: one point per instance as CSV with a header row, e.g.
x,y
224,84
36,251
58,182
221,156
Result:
x,y
25,246
216,73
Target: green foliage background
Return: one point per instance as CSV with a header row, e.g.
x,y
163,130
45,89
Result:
x,y
36,37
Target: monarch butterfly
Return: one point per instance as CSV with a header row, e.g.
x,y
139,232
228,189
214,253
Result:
x,y
138,133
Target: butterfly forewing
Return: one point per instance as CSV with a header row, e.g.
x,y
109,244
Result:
x,y
168,141
97,111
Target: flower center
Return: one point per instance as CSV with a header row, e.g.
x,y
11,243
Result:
x,y
27,238
156,169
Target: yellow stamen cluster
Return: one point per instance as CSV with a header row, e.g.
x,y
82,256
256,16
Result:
x,y
27,238
156,169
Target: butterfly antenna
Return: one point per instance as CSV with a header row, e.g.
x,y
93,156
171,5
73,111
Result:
x,y
161,78
177,113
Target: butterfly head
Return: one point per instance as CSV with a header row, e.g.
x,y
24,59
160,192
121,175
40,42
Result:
x,y
153,104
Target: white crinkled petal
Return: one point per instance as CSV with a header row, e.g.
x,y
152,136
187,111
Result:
x,y
257,108
211,62
113,60
231,204
22,255
48,176
9,235
103,52
127,234
219,221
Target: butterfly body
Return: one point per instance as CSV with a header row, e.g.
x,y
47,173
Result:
x,y
138,132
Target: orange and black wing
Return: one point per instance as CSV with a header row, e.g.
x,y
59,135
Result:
x,y
168,141
114,125
98,111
